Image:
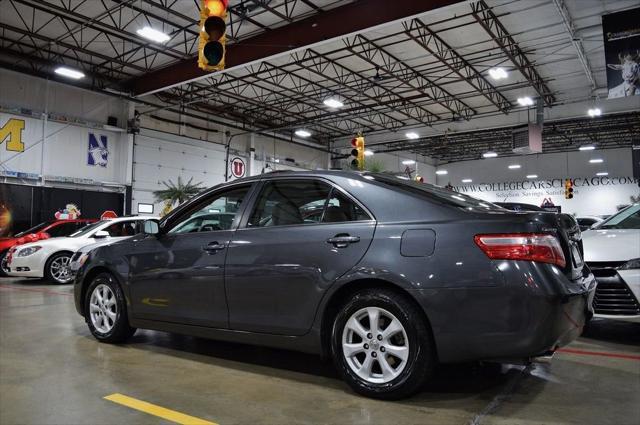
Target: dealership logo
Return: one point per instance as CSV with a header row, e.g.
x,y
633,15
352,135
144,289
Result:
x,y
238,167
97,153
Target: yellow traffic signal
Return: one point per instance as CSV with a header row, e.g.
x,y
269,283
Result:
x,y
568,189
357,153
212,43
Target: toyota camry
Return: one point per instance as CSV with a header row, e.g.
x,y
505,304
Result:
x,y
387,277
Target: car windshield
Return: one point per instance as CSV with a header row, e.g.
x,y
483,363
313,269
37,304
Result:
x,y
34,229
628,218
87,229
435,192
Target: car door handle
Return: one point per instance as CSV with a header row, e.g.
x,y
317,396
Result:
x,y
213,247
342,241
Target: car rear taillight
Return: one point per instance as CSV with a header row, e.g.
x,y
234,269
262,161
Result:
x,y
538,247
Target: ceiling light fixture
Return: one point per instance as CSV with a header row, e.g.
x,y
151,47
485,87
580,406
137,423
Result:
x,y
368,152
587,148
303,133
489,155
466,180
602,173
408,162
525,101
412,135
442,172
596,161
498,73
153,35
332,102
532,176
68,72
514,166
594,112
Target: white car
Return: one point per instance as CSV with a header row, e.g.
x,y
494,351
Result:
x,y
586,222
612,252
50,258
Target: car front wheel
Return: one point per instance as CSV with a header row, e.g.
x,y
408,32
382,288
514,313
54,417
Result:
x,y
106,310
57,268
381,344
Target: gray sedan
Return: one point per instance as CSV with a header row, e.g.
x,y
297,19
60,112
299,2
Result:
x,y
385,276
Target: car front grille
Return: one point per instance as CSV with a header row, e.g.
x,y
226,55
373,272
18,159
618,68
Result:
x,y
613,296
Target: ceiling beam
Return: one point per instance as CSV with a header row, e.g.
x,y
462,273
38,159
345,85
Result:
x,y
326,25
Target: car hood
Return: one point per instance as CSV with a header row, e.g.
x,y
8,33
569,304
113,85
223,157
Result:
x,y
60,243
611,244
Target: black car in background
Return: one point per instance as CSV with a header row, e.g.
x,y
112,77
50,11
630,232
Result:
x,y
386,276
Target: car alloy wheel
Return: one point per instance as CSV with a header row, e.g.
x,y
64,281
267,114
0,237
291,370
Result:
x,y
375,345
59,269
103,309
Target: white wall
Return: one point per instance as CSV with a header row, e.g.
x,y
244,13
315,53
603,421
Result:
x,y
593,195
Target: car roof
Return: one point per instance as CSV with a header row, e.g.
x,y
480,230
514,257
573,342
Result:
x,y
132,217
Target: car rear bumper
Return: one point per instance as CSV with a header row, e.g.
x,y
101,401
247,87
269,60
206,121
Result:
x,y
524,318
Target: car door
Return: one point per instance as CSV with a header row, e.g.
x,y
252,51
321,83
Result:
x,y
178,275
283,257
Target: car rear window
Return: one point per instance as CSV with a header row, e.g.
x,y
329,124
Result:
x,y
435,193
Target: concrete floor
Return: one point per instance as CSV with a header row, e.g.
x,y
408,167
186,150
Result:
x,y
53,372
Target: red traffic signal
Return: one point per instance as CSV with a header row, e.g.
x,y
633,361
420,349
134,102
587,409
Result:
x,y
212,43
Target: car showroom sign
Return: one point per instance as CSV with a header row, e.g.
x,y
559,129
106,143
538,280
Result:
x,y
592,195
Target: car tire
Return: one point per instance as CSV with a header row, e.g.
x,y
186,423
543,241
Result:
x,y
3,263
391,363
52,268
105,310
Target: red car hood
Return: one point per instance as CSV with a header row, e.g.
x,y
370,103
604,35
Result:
x,y
6,243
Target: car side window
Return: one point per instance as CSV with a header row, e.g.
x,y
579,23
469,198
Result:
x,y
122,228
64,229
212,214
302,202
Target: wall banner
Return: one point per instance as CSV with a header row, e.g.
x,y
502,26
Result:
x,y
622,52
97,153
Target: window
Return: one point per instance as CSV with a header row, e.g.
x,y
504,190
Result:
x,y
213,214
122,228
63,229
303,202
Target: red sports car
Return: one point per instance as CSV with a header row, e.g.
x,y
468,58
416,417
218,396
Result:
x,y
48,229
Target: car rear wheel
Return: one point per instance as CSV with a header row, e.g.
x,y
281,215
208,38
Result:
x,y
57,268
381,344
106,310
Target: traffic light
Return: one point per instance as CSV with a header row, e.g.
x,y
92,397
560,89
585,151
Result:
x,y
357,153
568,189
211,46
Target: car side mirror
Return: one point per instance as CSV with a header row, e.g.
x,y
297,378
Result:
x,y
101,234
150,227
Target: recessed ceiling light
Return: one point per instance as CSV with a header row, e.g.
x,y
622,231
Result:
x,y
602,173
525,101
412,135
498,73
466,180
514,166
68,72
153,35
333,103
594,112
489,155
532,176
302,133
442,172
408,162
368,152
587,148
596,161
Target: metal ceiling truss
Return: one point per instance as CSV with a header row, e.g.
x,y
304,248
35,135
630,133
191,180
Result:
x,y
489,21
612,131
429,40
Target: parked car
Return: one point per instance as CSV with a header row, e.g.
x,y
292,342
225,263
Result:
x,y
50,258
46,230
392,277
586,222
519,206
612,252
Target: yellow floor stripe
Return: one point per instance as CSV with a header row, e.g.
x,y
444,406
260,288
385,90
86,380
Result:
x,y
161,412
